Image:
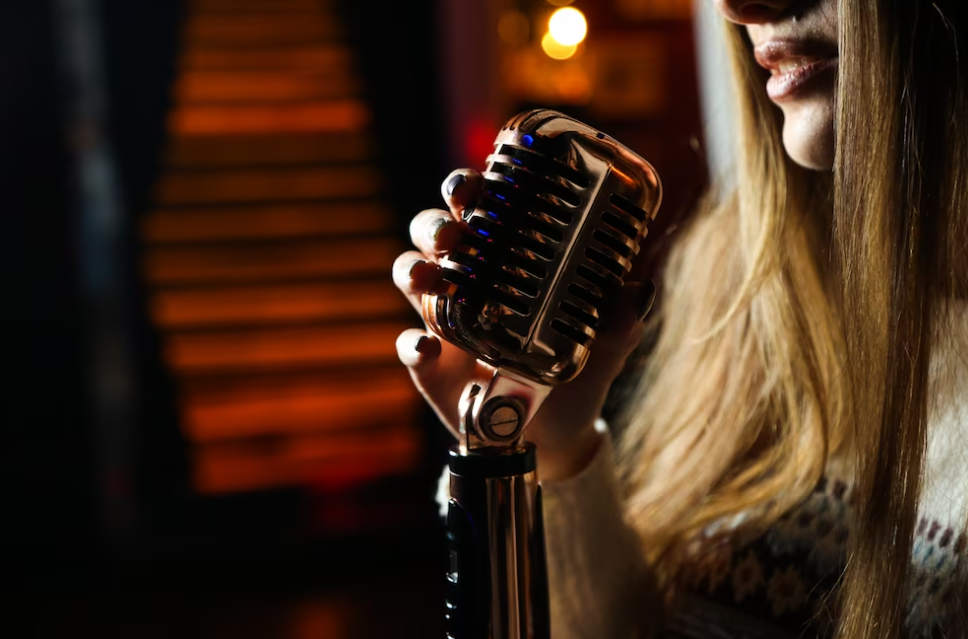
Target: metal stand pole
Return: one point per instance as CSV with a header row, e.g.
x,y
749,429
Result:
x,y
497,580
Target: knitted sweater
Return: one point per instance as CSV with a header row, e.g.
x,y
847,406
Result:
x,y
776,586
772,587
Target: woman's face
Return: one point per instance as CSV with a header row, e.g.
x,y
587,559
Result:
x,y
796,40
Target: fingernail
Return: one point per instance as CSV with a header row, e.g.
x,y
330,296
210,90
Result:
x,y
413,267
439,226
453,183
421,344
445,232
647,299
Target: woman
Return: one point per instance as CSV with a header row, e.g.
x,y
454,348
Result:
x,y
801,424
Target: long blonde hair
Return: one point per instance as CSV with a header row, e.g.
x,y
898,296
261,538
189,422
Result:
x,y
799,309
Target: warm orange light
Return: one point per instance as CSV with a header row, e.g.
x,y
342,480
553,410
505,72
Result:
x,y
513,28
555,49
567,26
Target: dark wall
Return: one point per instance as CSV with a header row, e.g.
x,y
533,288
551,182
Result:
x,y
45,474
397,48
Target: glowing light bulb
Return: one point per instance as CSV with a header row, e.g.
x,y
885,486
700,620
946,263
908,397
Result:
x,y
567,26
555,49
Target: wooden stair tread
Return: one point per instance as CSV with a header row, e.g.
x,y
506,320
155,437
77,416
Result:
x,y
335,115
256,87
283,348
327,461
267,222
227,151
234,30
318,57
238,185
275,262
267,305
300,410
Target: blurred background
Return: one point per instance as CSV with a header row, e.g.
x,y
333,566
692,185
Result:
x,y
205,430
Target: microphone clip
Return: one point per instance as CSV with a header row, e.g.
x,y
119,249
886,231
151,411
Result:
x,y
495,415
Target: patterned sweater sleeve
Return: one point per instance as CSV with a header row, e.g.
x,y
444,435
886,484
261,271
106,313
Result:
x,y
599,583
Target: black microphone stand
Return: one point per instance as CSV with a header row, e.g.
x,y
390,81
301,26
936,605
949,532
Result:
x,y
497,582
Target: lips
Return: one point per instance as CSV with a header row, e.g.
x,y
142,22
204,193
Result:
x,y
795,65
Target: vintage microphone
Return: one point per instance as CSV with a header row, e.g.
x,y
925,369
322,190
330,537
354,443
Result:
x,y
562,213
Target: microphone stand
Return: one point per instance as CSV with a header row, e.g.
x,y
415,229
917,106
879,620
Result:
x,y
497,582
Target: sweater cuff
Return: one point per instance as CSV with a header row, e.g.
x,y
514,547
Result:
x,y
598,579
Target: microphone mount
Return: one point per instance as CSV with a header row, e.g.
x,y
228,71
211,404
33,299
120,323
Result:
x,y
495,415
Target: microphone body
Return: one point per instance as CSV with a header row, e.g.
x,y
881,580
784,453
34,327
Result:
x,y
562,214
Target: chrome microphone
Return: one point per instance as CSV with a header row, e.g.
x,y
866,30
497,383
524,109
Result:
x,y
563,211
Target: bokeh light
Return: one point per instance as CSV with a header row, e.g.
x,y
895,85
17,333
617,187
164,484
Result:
x,y
567,26
555,49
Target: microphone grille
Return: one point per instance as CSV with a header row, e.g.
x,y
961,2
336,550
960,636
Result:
x,y
614,241
554,232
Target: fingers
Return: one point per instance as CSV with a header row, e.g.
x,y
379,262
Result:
x,y
417,349
434,232
436,377
460,189
414,275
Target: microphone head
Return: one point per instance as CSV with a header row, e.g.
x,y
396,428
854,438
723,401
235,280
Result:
x,y
562,213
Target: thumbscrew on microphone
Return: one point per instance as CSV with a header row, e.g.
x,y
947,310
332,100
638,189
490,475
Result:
x,y
501,419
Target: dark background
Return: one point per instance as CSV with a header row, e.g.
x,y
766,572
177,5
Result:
x,y
235,566
100,528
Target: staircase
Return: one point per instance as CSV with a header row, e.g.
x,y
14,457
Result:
x,y
268,252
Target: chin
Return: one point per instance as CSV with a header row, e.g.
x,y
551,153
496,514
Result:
x,y
808,137
812,158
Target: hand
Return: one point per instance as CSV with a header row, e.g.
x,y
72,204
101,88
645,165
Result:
x,y
563,429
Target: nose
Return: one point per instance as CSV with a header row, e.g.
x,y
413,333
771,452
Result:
x,y
751,11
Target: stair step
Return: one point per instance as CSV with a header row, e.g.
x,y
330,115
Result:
x,y
257,87
227,151
324,116
272,262
266,222
253,30
305,405
284,349
320,58
232,186
349,460
241,306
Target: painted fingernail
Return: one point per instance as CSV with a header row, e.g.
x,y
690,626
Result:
x,y
439,226
422,344
453,183
445,233
647,299
413,267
